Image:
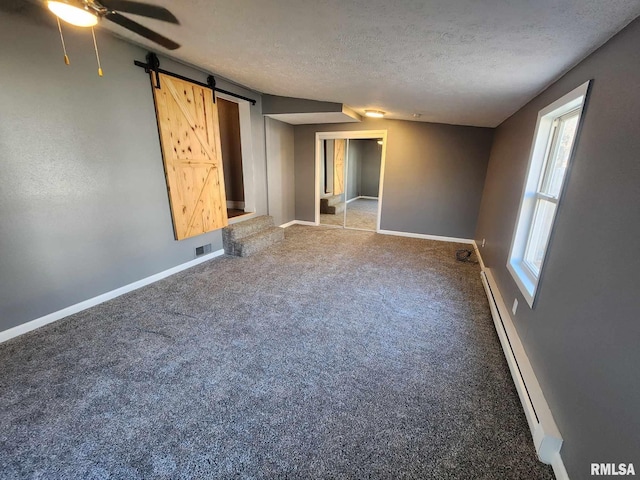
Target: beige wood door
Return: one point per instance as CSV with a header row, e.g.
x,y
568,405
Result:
x,y
190,139
338,166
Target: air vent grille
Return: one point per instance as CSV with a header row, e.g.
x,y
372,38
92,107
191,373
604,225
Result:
x,y
203,250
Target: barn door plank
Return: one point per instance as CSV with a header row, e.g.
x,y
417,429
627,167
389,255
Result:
x,y
190,139
197,127
338,166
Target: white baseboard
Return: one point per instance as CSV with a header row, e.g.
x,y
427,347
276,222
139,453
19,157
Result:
x,y
362,196
92,302
427,237
298,222
546,436
558,468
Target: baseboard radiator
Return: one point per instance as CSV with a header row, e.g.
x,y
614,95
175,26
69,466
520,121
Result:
x,y
546,437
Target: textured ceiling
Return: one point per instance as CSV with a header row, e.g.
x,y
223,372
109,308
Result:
x,y
465,62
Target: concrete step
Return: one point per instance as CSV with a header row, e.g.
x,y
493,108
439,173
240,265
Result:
x,y
251,244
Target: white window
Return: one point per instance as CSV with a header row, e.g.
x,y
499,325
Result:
x,y
551,153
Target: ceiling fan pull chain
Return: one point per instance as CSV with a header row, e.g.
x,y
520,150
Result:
x,y
64,48
95,46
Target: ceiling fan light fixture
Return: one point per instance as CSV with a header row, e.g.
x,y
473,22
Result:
x,y
74,15
374,113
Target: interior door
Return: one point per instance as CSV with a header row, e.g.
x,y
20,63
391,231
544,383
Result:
x,y
190,139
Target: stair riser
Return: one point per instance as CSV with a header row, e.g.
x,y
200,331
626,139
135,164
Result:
x,y
250,236
244,249
334,210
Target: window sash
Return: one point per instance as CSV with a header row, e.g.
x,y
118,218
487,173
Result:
x,y
538,236
552,154
541,222
554,139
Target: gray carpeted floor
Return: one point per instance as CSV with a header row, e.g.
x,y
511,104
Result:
x,y
334,354
361,214
332,219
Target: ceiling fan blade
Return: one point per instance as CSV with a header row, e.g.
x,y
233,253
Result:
x,y
142,9
141,30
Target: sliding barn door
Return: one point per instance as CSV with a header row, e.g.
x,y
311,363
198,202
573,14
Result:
x,y
190,138
338,166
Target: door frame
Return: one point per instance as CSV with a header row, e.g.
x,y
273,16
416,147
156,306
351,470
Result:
x,y
246,147
350,135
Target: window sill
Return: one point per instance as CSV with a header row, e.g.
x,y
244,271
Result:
x,y
524,283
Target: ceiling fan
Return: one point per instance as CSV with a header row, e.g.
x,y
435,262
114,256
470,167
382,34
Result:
x,y
86,13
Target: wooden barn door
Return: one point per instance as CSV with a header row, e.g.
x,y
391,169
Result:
x,y
338,166
190,139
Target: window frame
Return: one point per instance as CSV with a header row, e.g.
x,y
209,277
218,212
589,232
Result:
x,y
544,145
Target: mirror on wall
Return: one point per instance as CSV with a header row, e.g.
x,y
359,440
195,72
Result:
x,y
349,182
363,184
332,198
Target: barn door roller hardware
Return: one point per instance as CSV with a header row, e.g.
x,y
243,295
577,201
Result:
x,y
153,64
153,67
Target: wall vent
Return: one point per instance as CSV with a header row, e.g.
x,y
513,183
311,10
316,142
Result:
x,y
203,250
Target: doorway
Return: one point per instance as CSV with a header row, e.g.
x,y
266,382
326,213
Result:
x,y
349,179
234,118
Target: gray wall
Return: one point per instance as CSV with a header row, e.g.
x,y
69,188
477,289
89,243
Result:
x,y
370,168
83,201
280,166
364,168
354,157
434,174
583,336
274,104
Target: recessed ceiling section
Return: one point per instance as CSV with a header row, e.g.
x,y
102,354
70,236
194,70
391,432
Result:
x,y
301,111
